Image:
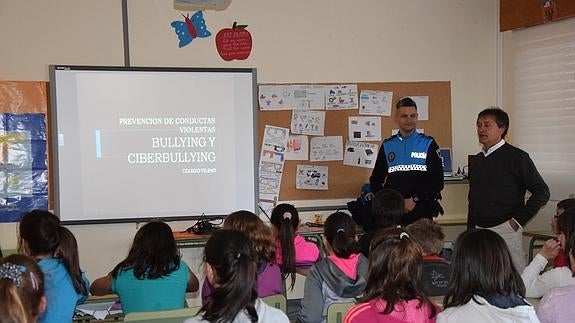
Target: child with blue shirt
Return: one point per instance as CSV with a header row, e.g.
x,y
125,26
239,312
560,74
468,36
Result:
x,y
56,251
153,277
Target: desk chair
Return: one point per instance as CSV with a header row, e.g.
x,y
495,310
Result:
x,y
171,316
316,239
278,301
435,277
336,311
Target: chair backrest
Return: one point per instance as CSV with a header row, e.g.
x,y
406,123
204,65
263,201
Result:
x,y
435,277
316,239
278,301
336,311
171,316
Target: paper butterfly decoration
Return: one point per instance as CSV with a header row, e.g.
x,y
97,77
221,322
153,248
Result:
x,y
190,28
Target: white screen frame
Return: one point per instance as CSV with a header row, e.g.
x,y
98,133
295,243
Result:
x,y
70,185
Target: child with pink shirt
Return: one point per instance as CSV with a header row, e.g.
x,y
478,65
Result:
x,y
394,293
340,277
292,250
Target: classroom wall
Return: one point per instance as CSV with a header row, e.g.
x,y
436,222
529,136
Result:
x,y
294,41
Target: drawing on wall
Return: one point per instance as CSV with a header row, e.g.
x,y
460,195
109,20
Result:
x,y
308,122
311,177
375,102
272,162
326,148
190,28
422,102
549,10
340,97
364,128
360,154
274,97
234,43
291,97
308,97
297,148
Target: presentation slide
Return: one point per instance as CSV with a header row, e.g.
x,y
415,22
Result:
x,y
133,144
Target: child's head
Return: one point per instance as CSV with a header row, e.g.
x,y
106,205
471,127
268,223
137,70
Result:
x,y
285,220
42,236
395,269
21,289
566,228
257,231
40,233
153,253
562,206
481,265
428,234
387,207
340,234
284,214
231,270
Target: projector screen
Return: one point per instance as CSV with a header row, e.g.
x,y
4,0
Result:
x,y
131,144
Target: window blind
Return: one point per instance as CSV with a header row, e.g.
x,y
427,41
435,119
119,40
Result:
x,y
543,122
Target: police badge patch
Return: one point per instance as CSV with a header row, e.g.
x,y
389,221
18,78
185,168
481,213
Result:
x,y
390,156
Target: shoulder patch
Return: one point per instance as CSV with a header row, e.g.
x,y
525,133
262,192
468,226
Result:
x,y
391,156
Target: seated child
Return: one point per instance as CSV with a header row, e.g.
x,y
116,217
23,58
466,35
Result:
x,y
561,259
340,277
152,277
269,277
538,284
393,292
21,290
231,270
436,270
292,250
387,207
56,251
484,284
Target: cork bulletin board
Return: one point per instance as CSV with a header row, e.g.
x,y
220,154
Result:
x,y
345,181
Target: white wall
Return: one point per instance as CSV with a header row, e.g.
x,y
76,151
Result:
x,y
294,41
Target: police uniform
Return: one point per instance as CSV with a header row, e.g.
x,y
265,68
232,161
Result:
x,y
411,165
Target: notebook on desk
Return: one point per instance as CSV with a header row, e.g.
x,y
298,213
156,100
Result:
x,y
446,161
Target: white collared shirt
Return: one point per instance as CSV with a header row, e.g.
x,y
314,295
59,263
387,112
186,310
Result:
x,y
493,148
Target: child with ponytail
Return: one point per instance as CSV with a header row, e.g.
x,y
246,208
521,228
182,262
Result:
x,y
56,251
340,277
21,290
269,277
394,292
231,270
292,250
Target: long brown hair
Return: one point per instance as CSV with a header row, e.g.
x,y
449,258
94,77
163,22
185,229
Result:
x,y
41,234
395,269
229,253
286,220
481,265
153,253
257,231
340,232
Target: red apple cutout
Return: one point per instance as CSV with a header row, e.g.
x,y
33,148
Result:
x,y
234,43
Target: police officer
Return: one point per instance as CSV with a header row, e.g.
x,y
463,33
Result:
x,y
409,162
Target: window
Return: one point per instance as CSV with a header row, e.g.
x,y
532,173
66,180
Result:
x,y
543,93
